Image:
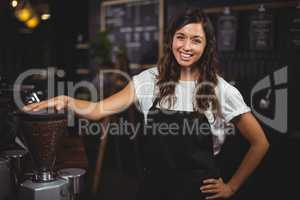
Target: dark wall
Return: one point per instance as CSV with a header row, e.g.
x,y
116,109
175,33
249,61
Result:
x,y
52,43
20,48
70,19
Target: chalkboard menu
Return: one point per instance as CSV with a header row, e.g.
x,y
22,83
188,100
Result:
x,y
227,32
134,26
294,29
261,31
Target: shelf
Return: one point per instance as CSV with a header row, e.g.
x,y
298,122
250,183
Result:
x,y
220,9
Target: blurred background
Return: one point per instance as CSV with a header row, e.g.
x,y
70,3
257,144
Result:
x,y
77,40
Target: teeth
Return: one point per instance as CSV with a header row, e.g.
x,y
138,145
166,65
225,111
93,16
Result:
x,y
184,55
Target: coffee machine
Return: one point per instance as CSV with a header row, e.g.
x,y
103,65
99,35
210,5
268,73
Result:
x,y
5,179
42,132
75,178
16,159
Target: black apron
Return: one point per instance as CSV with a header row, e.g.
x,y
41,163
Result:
x,y
177,155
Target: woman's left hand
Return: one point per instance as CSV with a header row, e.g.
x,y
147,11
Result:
x,y
217,188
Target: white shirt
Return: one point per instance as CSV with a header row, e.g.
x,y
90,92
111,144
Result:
x,y
230,100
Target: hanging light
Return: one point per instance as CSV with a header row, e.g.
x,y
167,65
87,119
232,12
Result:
x,y
14,3
45,16
32,22
24,11
23,14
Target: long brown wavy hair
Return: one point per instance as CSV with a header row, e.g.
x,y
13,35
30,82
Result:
x,y
207,65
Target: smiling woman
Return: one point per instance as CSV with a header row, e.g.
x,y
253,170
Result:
x,y
186,82
188,45
190,54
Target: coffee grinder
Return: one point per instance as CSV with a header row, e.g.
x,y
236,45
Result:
x,y
42,133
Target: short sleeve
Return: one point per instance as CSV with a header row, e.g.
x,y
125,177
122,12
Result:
x,y
233,104
144,84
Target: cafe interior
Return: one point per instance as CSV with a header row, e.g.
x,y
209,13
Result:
x,y
91,49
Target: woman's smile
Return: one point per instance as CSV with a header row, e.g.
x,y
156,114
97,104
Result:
x,y
188,44
186,56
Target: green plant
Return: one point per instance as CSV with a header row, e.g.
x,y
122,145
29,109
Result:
x,y
101,49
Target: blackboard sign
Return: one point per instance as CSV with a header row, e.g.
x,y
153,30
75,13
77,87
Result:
x,y
261,31
227,32
136,26
294,29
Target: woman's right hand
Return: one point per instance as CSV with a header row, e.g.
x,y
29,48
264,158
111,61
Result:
x,y
90,109
59,102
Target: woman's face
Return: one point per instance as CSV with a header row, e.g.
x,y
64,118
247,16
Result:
x,y
188,44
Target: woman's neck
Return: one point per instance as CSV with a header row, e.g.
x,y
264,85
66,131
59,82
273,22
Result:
x,y
189,74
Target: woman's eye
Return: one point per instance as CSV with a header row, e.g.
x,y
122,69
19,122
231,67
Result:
x,y
197,41
179,37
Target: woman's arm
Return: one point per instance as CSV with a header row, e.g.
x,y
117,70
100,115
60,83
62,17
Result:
x,y
253,133
87,109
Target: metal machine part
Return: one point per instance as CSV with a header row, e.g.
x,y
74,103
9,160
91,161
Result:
x,y
53,190
5,179
75,178
16,157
